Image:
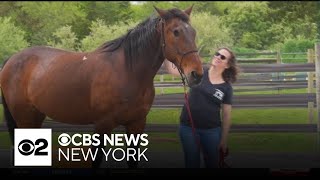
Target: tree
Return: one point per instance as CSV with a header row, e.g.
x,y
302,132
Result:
x,y
249,25
11,38
214,8
109,12
211,32
64,39
301,17
41,19
100,33
146,9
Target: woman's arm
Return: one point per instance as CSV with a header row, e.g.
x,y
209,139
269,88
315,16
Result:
x,y
171,68
226,124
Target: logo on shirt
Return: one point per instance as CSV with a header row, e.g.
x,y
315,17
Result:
x,y
218,94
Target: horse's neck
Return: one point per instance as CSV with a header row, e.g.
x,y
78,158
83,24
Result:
x,y
149,70
153,60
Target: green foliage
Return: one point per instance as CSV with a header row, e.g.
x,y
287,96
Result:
x,y
211,32
44,18
293,20
110,12
237,49
100,33
304,28
214,8
255,25
278,32
11,38
146,9
64,39
9,8
249,24
297,45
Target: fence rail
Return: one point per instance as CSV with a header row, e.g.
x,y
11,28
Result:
x,y
244,101
267,68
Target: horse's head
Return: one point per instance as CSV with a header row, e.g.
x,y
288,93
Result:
x,y
178,42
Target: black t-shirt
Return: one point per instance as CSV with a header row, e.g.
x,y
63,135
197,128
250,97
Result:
x,y
205,103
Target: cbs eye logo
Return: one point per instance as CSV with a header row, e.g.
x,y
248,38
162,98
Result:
x,y
32,147
26,147
64,139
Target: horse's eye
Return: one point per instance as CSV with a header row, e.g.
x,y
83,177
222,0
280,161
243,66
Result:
x,y
176,33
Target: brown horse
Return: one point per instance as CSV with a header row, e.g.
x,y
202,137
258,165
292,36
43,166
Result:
x,y
108,87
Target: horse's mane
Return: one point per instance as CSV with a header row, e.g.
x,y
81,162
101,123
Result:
x,y
140,40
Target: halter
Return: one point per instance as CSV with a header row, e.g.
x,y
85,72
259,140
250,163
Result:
x,y
182,74
184,80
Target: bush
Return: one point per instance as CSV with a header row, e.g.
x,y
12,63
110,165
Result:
x,y
297,45
11,38
244,50
101,33
64,39
211,32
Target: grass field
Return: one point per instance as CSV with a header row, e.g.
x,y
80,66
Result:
x,y
174,90
238,142
239,116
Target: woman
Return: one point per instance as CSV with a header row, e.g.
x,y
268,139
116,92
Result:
x,y
205,132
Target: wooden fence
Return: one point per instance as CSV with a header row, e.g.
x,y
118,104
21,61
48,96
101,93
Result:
x,y
265,74
256,77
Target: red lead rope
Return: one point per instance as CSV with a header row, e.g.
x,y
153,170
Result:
x,y
191,122
222,163
221,158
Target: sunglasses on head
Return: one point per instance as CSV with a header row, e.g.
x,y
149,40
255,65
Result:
x,y
222,57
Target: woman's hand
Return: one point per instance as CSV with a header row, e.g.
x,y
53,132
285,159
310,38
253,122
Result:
x,y
223,148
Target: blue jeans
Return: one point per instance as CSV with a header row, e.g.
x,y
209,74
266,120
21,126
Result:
x,y
209,140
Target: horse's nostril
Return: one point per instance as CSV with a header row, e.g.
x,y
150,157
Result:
x,y
195,75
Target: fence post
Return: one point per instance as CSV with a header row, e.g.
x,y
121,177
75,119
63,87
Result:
x,y
317,62
278,56
161,80
310,87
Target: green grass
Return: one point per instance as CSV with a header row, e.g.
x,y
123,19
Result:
x,y
240,116
255,142
271,116
238,142
174,90
280,91
167,77
169,90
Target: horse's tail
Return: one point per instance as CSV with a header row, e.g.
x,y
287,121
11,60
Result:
x,y
11,124
4,63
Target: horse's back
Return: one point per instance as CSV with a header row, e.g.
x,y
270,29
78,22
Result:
x,y
46,80
26,61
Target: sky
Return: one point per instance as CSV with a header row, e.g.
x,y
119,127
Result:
x,y
136,2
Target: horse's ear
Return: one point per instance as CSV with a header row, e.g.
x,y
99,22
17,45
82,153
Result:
x,y
160,11
188,11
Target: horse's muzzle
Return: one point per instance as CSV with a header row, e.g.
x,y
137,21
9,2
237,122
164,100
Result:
x,y
195,78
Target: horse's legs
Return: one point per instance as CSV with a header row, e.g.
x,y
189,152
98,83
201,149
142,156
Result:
x,y
137,127
27,116
101,128
98,159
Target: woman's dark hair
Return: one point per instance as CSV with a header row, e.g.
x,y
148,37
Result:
x,y
231,74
